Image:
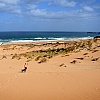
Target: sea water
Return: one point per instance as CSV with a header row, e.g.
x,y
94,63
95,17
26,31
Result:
x,y
26,36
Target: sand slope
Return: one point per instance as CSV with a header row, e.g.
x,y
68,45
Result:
x,y
55,79
53,86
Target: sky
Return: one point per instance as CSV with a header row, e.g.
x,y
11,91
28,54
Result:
x,y
50,15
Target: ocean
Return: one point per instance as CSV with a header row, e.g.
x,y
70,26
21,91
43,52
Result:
x,y
25,36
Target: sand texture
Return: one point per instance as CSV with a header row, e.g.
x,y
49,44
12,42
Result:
x,y
56,70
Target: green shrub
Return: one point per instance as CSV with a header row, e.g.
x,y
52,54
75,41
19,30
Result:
x,y
37,58
14,56
42,60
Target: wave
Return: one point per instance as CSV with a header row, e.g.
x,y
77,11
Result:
x,y
81,38
52,38
39,38
73,38
42,39
21,41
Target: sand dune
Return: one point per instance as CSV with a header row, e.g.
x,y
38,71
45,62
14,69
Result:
x,y
55,79
50,85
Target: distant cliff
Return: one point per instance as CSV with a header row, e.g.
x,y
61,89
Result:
x,y
93,32
96,37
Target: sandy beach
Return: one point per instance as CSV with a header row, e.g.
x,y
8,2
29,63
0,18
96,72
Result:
x,y
56,70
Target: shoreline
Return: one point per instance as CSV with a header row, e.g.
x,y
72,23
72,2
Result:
x,y
32,41
44,41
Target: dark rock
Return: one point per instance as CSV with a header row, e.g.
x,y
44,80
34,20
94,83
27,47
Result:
x,y
85,54
95,59
80,58
73,62
96,37
61,64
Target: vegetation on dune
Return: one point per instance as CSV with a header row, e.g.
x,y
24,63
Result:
x,y
4,57
43,55
14,56
37,58
42,60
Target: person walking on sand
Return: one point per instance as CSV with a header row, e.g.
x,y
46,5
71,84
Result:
x,y
25,68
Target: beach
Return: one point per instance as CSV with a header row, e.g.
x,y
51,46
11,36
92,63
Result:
x,y
56,70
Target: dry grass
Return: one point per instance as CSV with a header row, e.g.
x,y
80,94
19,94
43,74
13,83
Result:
x,y
44,55
4,57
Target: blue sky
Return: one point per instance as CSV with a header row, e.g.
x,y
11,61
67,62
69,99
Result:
x,y
50,15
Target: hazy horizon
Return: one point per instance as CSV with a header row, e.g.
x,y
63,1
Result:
x,y
51,31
